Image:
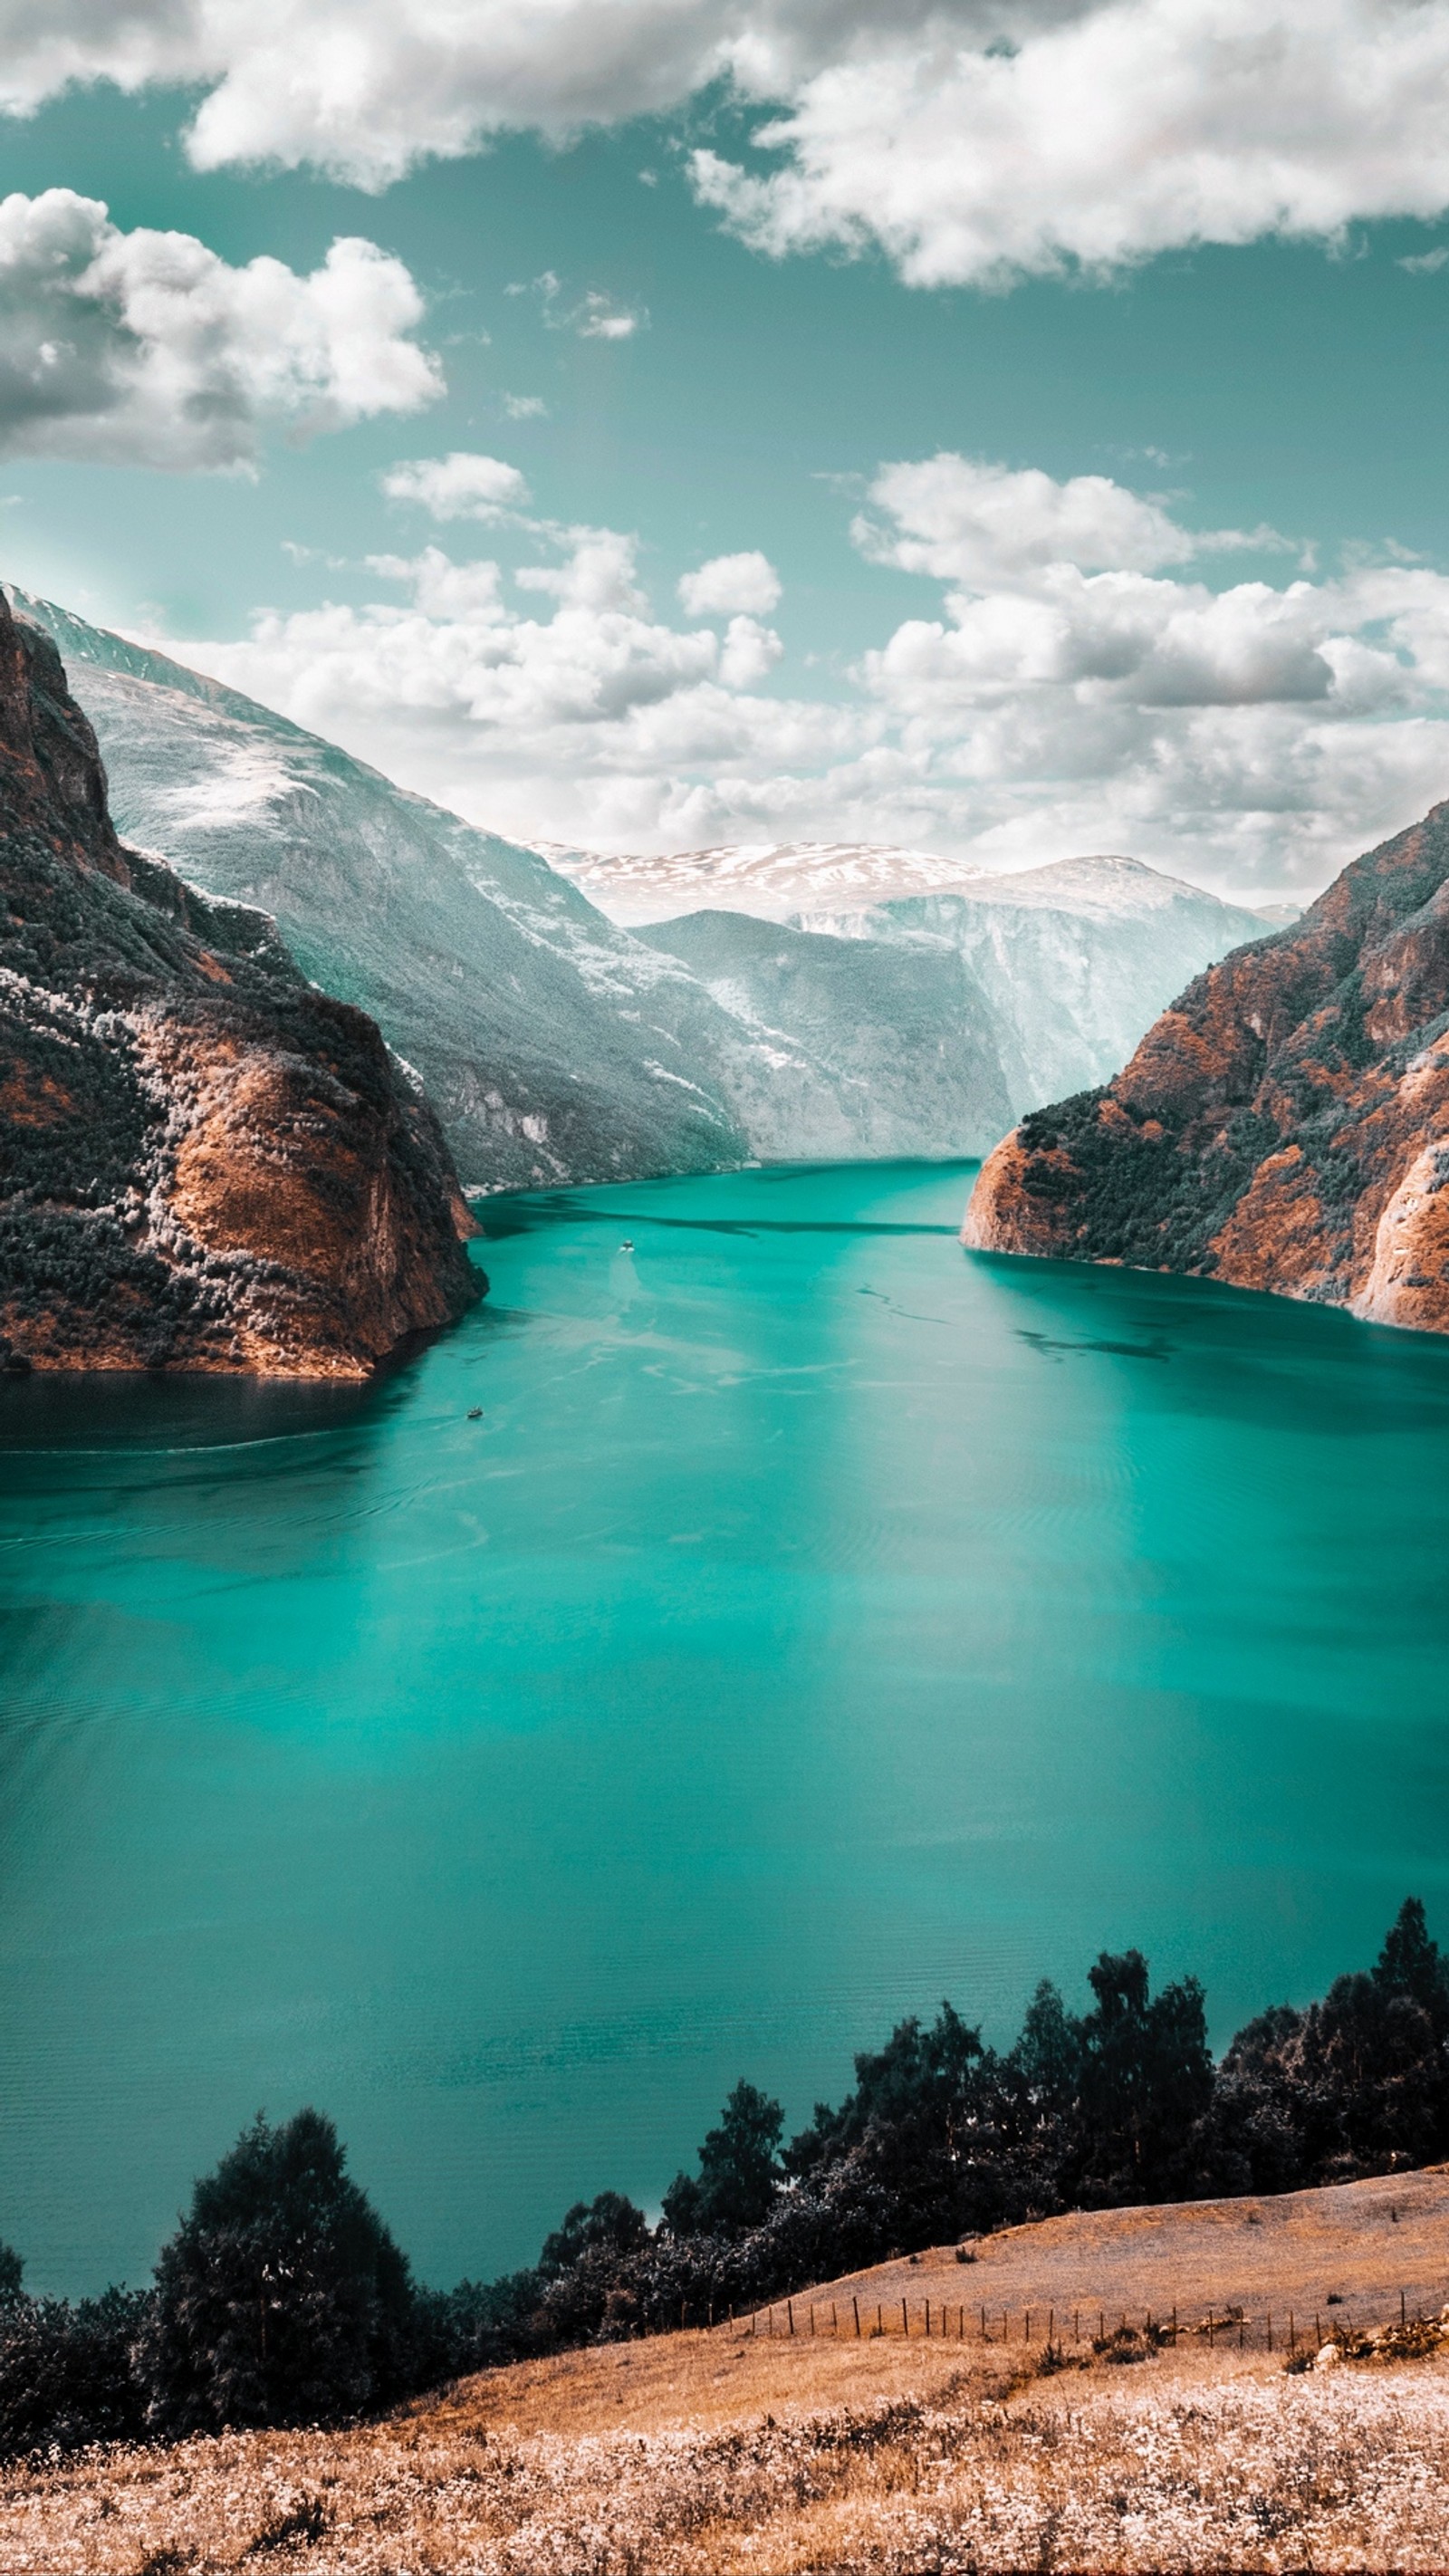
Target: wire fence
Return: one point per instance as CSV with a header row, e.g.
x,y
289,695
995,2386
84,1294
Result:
x,y
1051,2329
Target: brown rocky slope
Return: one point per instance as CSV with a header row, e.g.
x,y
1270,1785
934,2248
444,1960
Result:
x,y
1285,1125
204,1162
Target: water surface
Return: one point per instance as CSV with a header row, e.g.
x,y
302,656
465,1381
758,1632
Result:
x,y
816,1621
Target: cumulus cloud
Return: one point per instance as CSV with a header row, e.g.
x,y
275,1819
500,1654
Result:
x,y
975,140
460,486
744,583
1114,133
145,348
1048,698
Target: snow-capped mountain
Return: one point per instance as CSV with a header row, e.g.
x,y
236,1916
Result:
x,y
772,879
1076,959
553,1045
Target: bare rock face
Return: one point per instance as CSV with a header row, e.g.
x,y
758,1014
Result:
x,y
1285,1125
204,1163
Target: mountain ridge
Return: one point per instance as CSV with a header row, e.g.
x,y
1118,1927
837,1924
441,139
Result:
x,y
1282,1126
204,1162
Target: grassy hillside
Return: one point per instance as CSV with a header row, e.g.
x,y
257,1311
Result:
x,y
713,2453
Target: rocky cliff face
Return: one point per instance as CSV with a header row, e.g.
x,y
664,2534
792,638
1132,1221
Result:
x,y
204,1163
1285,1125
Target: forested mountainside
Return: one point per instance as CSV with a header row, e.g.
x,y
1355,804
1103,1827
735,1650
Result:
x,y
204,1163
558,1047
1283,1125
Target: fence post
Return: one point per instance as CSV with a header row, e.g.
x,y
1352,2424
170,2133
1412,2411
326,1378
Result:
x,y
1051,2324
1270,2329
790,2313
905,2320
812,2316
1026,2328
855,2303
1076,2325
928,2317
1402,2319
983,2326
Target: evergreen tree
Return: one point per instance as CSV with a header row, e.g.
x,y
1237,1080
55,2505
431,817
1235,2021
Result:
x,y
1146,2080
281,2299
739,2170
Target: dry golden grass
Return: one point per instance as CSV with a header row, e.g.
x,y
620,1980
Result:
x,y
716,2454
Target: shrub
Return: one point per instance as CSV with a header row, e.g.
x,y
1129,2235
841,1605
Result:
x,y
67,2374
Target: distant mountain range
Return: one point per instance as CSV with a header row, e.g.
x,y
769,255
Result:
x,y
908,1006
794,880
771,879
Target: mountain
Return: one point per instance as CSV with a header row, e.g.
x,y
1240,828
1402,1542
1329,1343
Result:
x,y
552,1046
1283,1126
555,1046
772,879
204,1163
1075,959
866,1047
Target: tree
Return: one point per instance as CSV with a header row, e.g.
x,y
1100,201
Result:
x,y
1146,2081
1411,1964
282,2298
610,2225
12,2270
739,2170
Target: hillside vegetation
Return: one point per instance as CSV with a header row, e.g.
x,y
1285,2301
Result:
x,y
709,2454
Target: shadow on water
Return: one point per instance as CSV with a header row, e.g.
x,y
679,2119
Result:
x,y
1235,1352
126,1410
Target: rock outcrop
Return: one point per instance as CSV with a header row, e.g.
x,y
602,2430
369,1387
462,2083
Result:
x,y
1284,1126
204,1162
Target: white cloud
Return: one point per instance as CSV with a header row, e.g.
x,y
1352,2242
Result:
x,y
525,407
749,653
1427,264
1110,133
747,584
1044,700
460,486
597,319
145,348
976,140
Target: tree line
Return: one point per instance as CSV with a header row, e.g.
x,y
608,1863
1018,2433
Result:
x,y
284,2299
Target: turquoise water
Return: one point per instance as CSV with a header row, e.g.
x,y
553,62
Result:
x,y
817,1621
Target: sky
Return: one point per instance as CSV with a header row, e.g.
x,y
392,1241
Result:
x,y
1009,430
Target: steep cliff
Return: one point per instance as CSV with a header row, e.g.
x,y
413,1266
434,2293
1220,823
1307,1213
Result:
x,y
204,1163
1285,1125
849,1046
